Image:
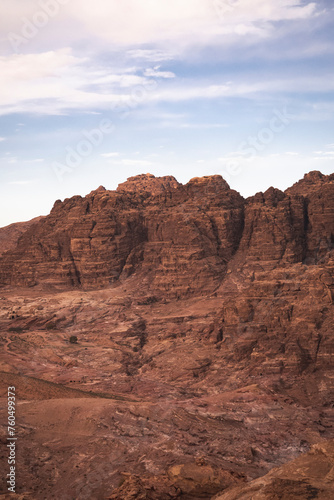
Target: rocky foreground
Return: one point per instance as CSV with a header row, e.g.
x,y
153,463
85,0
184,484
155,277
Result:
x,y
173,341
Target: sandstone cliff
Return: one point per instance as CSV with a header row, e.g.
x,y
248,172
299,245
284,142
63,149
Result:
x,y
205,334
177,239
9,235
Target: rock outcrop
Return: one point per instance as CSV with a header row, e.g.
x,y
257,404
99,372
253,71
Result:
x,y
205,342
148,184
9,235
309,476
177,239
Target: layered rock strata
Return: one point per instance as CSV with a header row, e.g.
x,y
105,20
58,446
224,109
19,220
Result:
x,y
177,239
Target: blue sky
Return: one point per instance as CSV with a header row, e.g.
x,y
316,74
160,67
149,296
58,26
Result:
x,y
92,92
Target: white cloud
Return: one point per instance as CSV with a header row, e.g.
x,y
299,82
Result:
x,y
3,139
166,26
129,162
134,22
110,155
154,72
136,163
19,183
325,155
192,126
150,55
56,81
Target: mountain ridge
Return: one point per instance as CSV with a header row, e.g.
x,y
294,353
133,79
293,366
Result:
x,y
209,316
159,227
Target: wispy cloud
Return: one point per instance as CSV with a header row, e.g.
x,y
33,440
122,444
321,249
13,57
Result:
x,y
57,82
325,155
154,30
182,22
35,160
192,126
110,155
19,183
129,162
183,70
154,72
150,55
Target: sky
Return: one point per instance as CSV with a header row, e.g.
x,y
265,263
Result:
x,y
95,91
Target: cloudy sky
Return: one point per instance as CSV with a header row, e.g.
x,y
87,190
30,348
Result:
x,y
94,91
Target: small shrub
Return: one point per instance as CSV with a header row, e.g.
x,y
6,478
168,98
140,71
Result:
x,y
73,339
51,326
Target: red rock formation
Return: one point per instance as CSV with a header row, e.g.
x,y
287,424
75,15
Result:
x,y
234,379
178,238
318,193
309,476
9,235
148,183
294,226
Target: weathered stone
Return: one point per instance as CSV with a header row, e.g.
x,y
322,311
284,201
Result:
x,y
203,321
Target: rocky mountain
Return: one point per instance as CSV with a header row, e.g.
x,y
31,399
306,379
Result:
x,y
178,240
9,235
203,341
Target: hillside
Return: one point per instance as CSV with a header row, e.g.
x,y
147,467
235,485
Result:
x,y
204,322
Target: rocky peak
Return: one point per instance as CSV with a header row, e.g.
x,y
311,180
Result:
x,y
209,180
100,189
270,197
148,183
208,185
311,181
313,176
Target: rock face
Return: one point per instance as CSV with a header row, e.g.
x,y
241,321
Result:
x,y
9,235
179,239
205,342
309,476
196,480
294,226
148,184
